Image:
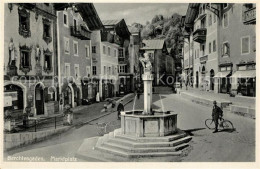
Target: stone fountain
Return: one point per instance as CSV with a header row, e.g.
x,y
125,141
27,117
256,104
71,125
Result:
x,y
143,134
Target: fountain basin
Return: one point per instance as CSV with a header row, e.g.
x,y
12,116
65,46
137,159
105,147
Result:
x,y
157,125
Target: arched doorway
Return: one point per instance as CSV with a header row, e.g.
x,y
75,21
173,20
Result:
x,y
197,79
212,74
39,99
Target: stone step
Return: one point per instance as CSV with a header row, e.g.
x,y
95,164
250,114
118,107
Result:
x,y
152,139
136,155
143,150
150,144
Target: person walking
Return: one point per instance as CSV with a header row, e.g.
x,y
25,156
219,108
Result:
x,y
217,113
120,108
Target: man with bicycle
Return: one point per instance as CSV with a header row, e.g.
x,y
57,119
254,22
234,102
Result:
x,y
217,113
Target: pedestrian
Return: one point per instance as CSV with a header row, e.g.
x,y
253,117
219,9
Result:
x,y
97,98
217,113
138,93
120,108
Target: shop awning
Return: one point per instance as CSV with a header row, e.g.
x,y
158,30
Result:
x,y
222,74
244,74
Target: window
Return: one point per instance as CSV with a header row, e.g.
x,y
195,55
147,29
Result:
x,y
24,23
108,51
202,48
104,49
93,49
120,53
66,45
75,48
25,59
88,71
121,68
87,51
245,45
46,30
113,70
198,53
210,47
67,69
210,20
94,70
47,61
214,46
109,70
254,44
225,49
65,19
115,52
195,54
105,69
76,70
75,23
225,20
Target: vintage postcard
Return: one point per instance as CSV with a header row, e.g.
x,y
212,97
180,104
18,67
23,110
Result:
x,y
163,84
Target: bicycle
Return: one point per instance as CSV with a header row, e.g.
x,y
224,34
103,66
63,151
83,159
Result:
x,y
225,124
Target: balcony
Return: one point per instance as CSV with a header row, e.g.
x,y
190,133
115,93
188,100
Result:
x,y
94,59
200,35
80,32
121,59
204,59
250,16
111,38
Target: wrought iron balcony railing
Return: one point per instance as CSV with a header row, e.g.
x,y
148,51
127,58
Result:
x,y
250,16
80,32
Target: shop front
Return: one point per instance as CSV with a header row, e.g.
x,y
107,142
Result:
x,y
245,82
223,81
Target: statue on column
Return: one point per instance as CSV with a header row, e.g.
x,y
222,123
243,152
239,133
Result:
x,y
37,53
146,63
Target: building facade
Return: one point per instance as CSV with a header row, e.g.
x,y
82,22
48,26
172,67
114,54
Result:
x,y
75,56
216,67
30,59
237,59
105,65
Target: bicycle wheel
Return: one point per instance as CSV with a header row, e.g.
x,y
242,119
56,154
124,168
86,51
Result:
x,y
210,124
226,124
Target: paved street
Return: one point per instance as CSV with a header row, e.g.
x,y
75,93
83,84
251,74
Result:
x,y
222,146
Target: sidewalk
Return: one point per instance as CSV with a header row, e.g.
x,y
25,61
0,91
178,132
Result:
x,y
240,105
82,115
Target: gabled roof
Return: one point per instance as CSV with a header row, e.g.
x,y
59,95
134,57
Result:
x,y
153,44
89,15
110,22
119,26
191,14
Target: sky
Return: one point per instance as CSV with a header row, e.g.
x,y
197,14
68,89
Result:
x,y
138,12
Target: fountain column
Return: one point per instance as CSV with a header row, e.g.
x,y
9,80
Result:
x,y
148,93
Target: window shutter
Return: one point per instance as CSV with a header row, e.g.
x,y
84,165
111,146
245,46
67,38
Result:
x,y
222,50
45,93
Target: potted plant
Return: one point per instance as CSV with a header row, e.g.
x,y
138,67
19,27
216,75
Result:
x,y
68,115
9,123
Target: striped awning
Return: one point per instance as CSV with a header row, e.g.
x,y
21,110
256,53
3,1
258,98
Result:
x,y
222,74
244,74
